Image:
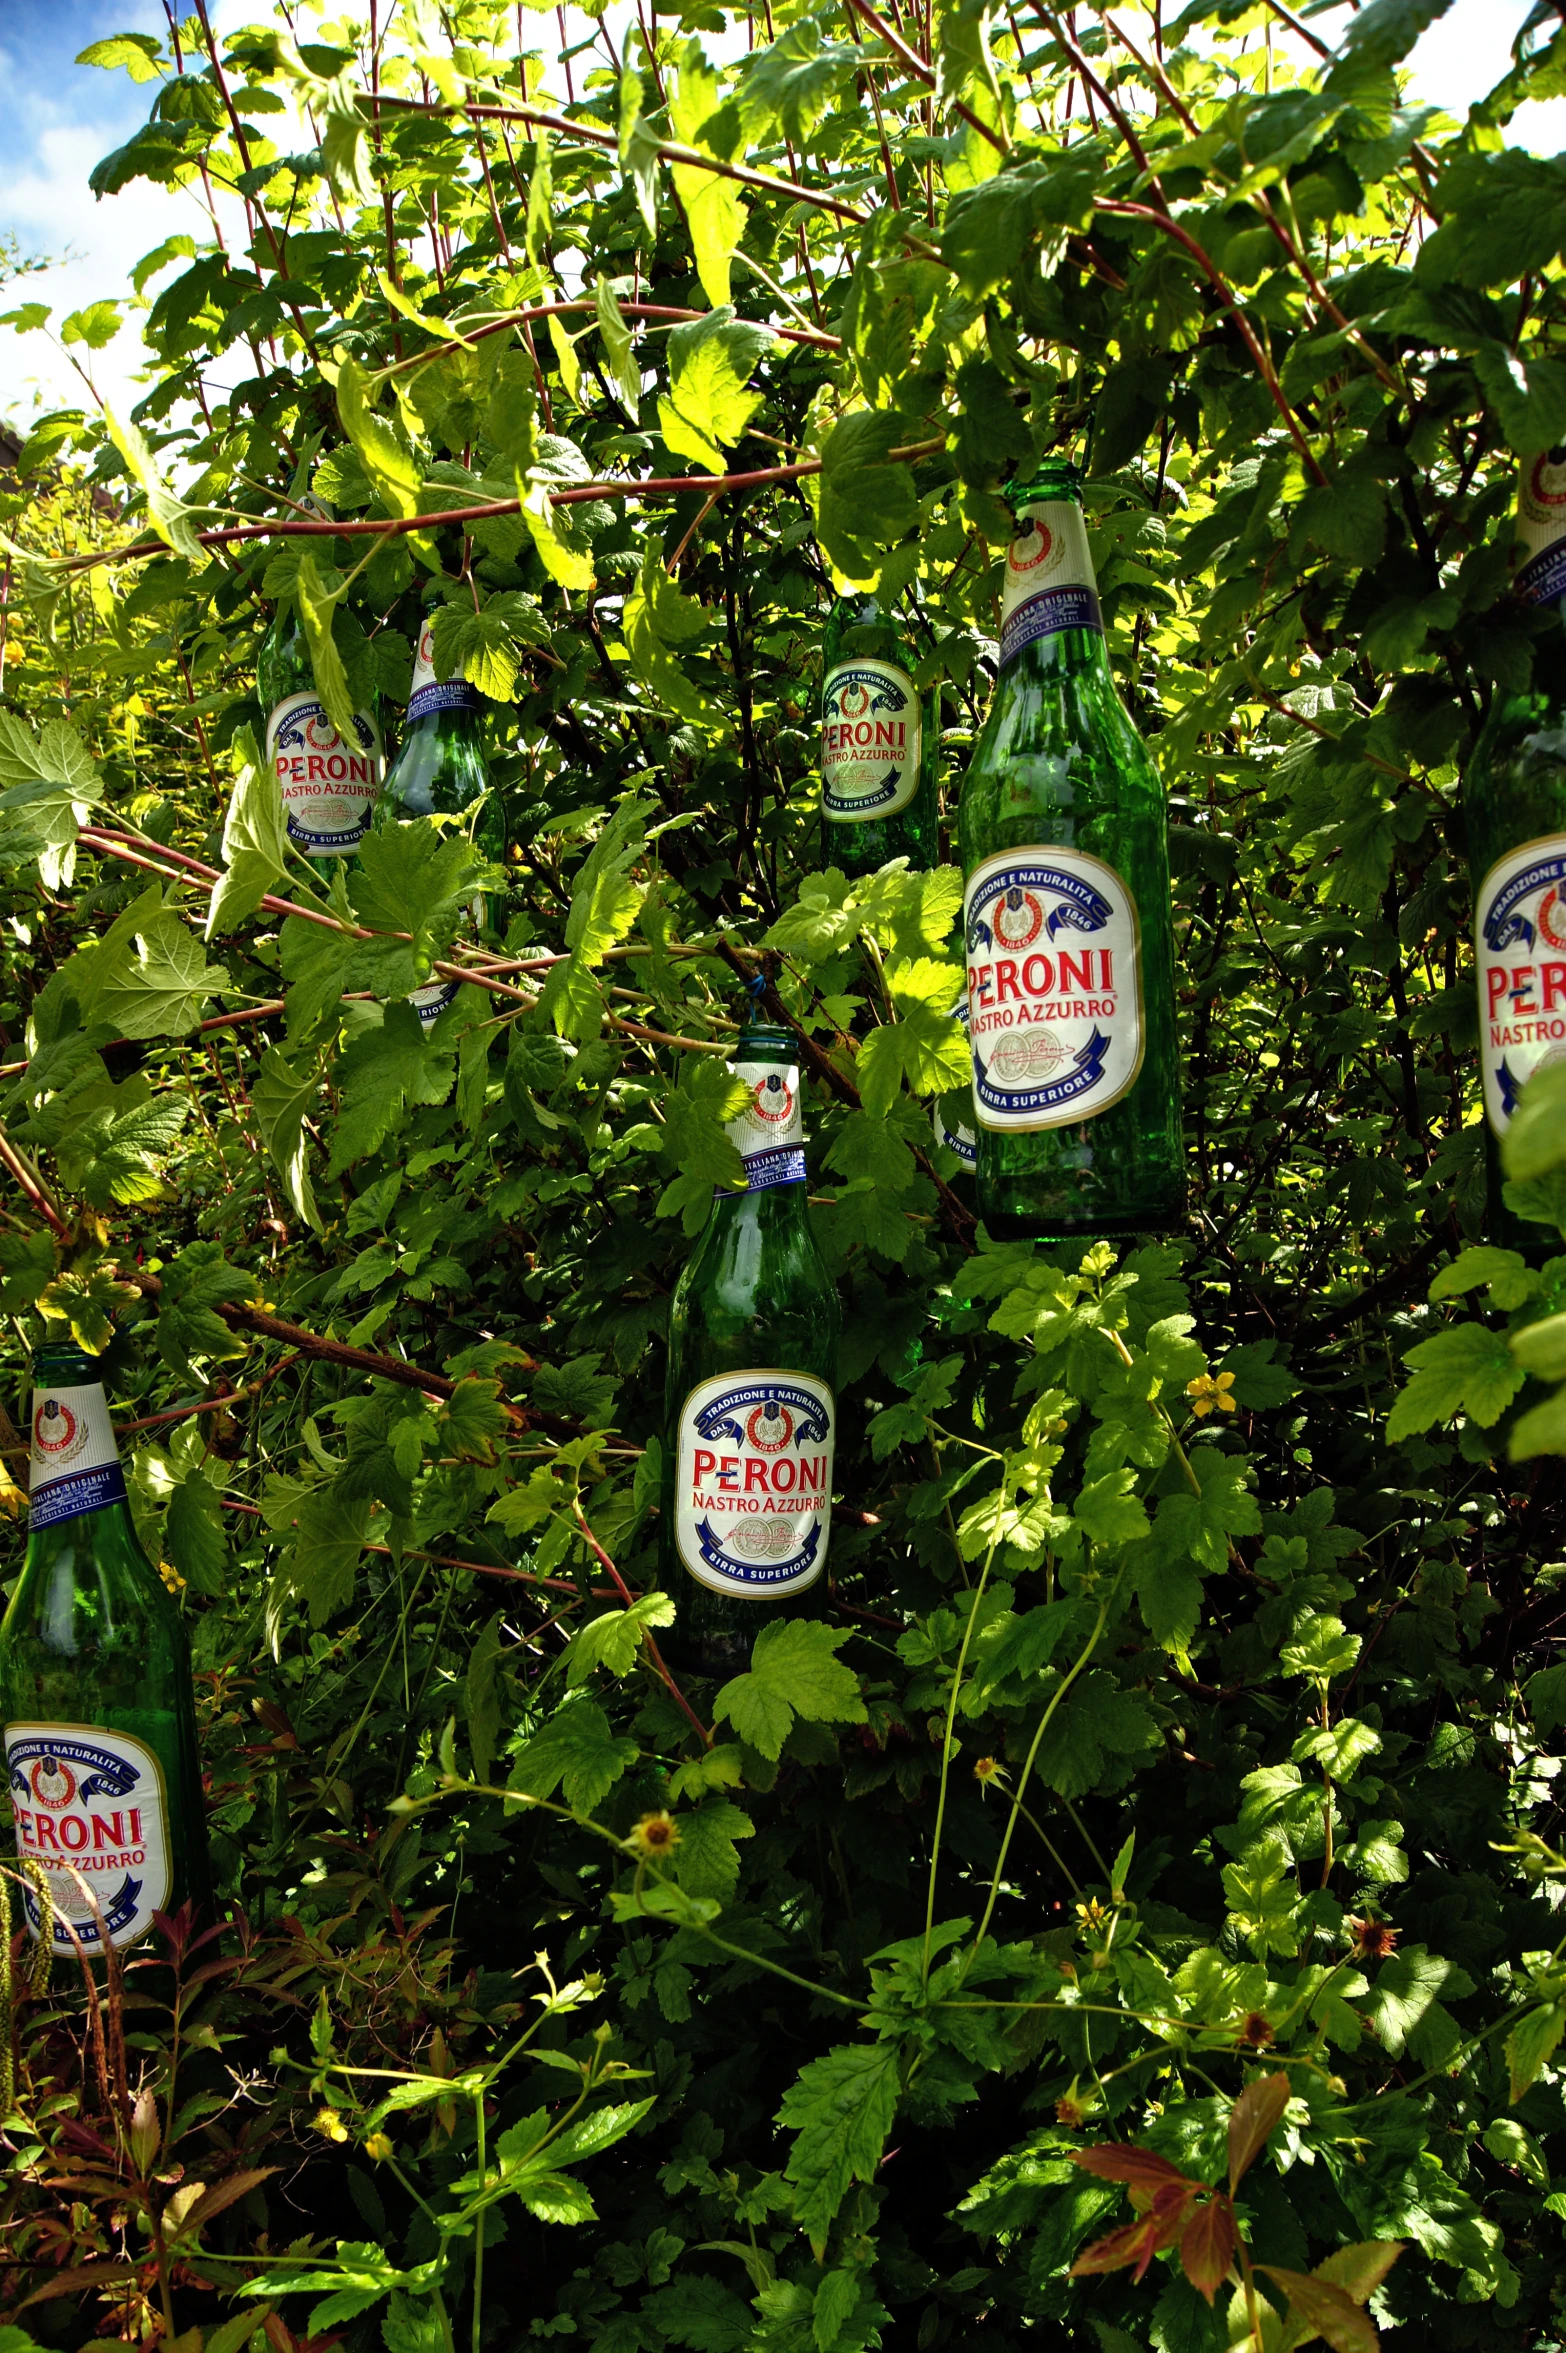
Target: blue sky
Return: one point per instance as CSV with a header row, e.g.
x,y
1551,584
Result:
x,y
61,117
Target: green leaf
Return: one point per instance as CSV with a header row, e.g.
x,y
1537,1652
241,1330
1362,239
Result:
x,y
841,2111
154,981
169,515
1109,1512
1506,1274
710,402
255,841
925,1047
411,877
1465,1369
387,1069
118,1155
794,1670
139,53
282,1098
196,1282
867,501
195,1535
713,206
1405,1990
575,1750
1323,1649
1532,2044
317,595
613,1640
707,1857
1534,1144
382,446
1261,1898
325,1530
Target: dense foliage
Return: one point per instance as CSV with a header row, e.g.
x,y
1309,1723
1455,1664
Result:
x,y
1176,1742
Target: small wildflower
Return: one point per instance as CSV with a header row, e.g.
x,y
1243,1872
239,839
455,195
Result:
x,y
1070,2112
171,1576
988,1769
1210,1390
1373,1939
329,2124
1257,2029
655,1836
378,2146
1093,1914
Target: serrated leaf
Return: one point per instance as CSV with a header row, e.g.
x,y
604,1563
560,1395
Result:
x,y
794,1670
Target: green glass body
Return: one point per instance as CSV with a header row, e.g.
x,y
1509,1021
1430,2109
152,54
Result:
x,y
1059,762
755,1293
94,1637
440,770
858,629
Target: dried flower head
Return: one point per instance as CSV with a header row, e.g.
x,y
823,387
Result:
x,y
655,1836
1070,2112
1210,1391
1257,2030
1373,1939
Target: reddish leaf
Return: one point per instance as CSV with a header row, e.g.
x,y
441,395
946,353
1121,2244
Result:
x,y
1326,2310
1119,2161
1136,2242
221,2194
79,2279
1207,2246
1255,2117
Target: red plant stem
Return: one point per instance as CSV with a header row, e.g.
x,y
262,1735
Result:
x,y
631,310
12,1159
921,72
442,1560
653,1652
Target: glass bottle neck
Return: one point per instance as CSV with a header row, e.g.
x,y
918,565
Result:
x,y
75,1460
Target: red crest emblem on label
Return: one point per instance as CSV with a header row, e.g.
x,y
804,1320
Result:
x,y
54,1427
53,1784
772,1099
1032,549
769,1428
1552,920
1018,919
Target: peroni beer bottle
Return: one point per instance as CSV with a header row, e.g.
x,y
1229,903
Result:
x,y
1070,941
879,752
328,786
1514,802
100,1722
750,1404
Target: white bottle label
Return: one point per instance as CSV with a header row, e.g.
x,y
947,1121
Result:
x,y
1049,578
91,1810
76,1464
1520,948
428,694
753,1482
1054,987
955,1134
1541,530
328,787
770,1136
872,741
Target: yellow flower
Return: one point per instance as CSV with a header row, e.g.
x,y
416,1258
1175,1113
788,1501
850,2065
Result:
x,y
327,2122
171,1576
655,1836
378,2146
988,1769
1092,1914
1209,1390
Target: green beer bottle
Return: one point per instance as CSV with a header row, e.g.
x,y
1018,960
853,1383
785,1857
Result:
x,y
100,1720
750,1405
441,770
328,787
879,746
1069,935
1514,803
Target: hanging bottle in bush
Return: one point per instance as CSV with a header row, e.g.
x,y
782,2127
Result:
x,y
879,747
750,1405
100,1722
1069,934
441,770
1514,803
328,783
